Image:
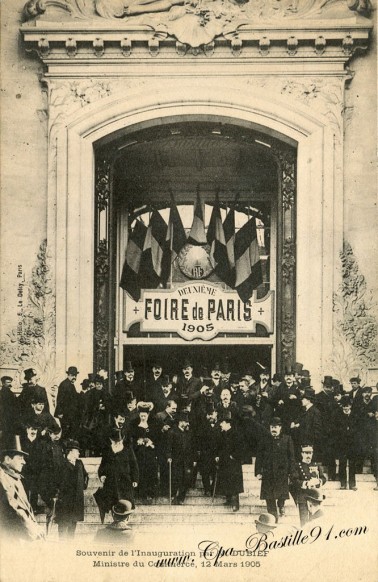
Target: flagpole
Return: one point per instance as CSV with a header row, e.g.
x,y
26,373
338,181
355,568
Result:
x,y
171,263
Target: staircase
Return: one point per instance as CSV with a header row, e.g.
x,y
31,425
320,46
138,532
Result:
x,y
198,509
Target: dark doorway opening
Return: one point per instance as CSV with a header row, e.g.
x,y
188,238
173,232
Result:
x,y
241,358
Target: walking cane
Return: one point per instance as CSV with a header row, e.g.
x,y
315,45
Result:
x,y
215,482
170,480
50,518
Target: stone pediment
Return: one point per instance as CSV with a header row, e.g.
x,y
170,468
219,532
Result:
x,y
197,24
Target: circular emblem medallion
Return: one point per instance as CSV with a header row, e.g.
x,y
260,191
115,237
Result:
x,y
194,261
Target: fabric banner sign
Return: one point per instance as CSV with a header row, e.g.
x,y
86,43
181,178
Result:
x,y
199,310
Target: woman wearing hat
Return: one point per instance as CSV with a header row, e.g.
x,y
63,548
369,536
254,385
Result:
x,y
144,434
70,502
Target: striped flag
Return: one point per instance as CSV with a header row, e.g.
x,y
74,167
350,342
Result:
x,y
247,260
130,272
174,241
229,235
197,235
217,242
152,257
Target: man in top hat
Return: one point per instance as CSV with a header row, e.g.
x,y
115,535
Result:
x,y
132,384
200,403
188,386
275,463
307,475
17,517
328,408
30,389
308,427
229,459
70,499
51,464
68,408
181,455
314,498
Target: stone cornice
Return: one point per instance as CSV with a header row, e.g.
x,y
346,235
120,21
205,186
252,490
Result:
x,y
113,41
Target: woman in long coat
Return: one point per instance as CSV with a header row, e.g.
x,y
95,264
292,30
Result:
x,y
144,435
229,459
119,474
70,502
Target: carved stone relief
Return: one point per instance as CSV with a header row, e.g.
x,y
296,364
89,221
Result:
x,y
32,343
355,321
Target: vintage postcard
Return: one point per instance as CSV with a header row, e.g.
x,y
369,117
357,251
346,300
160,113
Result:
x,y
189,365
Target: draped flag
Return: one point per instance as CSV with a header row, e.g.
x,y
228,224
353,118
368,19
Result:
x,y
152,257
217,242
247,260
130,273
197,235
174,241
229,235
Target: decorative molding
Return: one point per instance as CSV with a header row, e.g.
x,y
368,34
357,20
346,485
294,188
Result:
x,y
293,25
356,325
102,184
261,10
287,341
288,260
32,343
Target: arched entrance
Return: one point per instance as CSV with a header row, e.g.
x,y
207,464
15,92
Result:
x,y
99,130
253,175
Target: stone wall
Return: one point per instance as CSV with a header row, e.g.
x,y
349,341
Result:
x,y
23,161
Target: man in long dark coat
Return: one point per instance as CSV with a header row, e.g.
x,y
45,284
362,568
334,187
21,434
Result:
x,y
347,447
32,444
73,482
275,462
308,427
68,408
52,461
118,472
207,438
287,401
328,408
161,392
10,413
181,455
229,459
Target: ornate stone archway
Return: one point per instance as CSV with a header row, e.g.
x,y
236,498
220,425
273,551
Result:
x,y
287,81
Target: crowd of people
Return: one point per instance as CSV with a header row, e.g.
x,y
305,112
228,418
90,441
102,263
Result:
x,y
155,435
